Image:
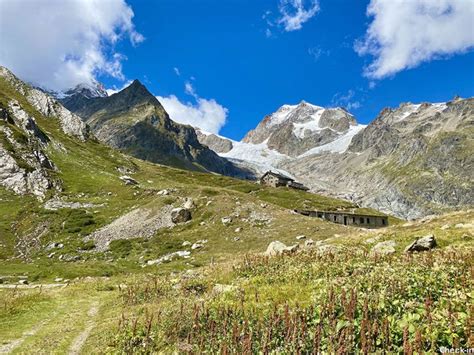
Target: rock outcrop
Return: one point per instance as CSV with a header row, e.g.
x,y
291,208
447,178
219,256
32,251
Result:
x,y
425,243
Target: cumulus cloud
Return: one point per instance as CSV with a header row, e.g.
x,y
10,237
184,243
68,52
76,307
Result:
x,y
206,114
294,13
59,44
405,33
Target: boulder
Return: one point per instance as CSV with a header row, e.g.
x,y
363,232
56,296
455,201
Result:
x,y
169,257
180,215
425,243
128,180
308,243
23,282
384,248
196,246
238,230
226,220
300,237
189,204
277,248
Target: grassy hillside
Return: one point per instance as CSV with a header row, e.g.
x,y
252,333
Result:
x,y
346,300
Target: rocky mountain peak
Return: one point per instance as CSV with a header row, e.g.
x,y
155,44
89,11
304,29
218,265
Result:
x,y
88,90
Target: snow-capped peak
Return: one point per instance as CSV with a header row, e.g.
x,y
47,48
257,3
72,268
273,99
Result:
x,y
286,112
89,90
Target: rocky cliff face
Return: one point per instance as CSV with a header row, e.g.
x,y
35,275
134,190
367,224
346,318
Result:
x,y
216,143
134,121
25,166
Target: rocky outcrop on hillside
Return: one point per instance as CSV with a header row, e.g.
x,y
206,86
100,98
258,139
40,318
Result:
x,y
215,142
24,165
134,121
46,105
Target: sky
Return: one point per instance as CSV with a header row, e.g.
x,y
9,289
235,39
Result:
x,y
223,65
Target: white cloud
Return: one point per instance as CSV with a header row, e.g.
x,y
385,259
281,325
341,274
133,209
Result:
x,y
59,44
206,114
317,52
346,100
294,13
405,33
115,89
189,89
177,72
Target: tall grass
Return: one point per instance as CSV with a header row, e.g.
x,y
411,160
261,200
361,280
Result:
x,y
349,303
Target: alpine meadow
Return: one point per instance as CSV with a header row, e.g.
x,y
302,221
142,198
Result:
x,y
236,177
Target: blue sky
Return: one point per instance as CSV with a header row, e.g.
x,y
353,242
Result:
x,y
242,56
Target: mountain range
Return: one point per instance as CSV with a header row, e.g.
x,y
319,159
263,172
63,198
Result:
x,y
410,161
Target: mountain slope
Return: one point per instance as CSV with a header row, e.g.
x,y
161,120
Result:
x,y
134,121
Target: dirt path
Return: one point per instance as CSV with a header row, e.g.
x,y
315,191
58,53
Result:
x,y
9,347
80,340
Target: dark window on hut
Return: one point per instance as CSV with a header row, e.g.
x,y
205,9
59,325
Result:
x,y
353,219
335,218
361,220
383,221
368,220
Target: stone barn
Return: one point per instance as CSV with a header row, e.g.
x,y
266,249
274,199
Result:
x,y
348,218
273,179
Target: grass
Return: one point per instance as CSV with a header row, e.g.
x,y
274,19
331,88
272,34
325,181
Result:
x,y
350,301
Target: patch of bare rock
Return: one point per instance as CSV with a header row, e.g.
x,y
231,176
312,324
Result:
x,y
138,223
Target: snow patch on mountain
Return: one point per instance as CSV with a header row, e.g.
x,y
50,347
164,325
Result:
x,y
339,145
311,125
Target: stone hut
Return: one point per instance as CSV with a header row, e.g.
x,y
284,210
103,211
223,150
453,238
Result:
x,y
273,179
348,218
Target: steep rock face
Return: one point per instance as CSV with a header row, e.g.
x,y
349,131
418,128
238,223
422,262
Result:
x,y
216,143
70,123
294,129
134,121
24,165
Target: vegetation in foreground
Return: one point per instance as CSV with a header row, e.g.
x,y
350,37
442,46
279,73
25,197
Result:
x,y
338,299
309,303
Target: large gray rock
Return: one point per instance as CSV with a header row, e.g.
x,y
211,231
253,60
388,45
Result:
x,y
278,248
180,215
425,243
384,248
